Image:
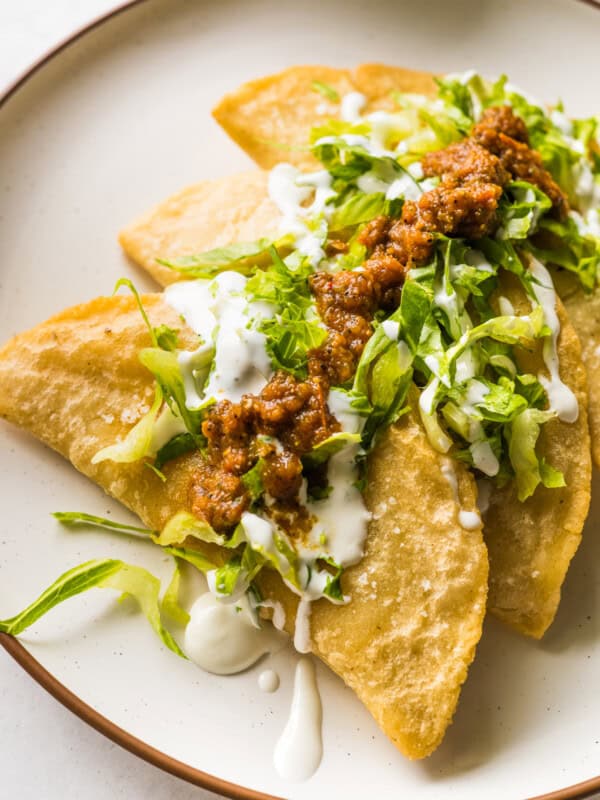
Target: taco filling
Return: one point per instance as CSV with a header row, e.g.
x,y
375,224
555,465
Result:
x,y
388,268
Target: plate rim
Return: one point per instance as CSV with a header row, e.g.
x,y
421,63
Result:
x,y
49,682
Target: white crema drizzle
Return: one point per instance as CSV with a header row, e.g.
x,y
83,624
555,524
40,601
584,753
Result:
x,y
299,750
469,520
224,638
218,311
290,190
561,398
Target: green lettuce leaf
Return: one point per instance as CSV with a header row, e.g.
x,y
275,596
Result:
x,y
167,372
175,447
130,285
253,481
323,451
101,573
79,518
162,336
521,208
570,249
236,256
338,127
333,586
295,329
522,330
347,162
193,557
235,576
357,208
170,605
166,338
138,441
183,525
325,90
529,470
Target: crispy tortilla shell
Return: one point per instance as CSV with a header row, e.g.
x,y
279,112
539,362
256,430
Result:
x,y
406,640
270,118
201,217
531,543
584,312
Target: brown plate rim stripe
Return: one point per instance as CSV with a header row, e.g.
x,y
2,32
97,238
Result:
x,y
120,736
66,697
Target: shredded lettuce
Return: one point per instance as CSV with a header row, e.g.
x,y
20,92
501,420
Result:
x,y
253,481
102,573
137,443
563,244
520,211
384,375
194,557
357,208
236,256
170,605
177,446
530,471
165,367
325,90
80,518
295,329
166,338
183,525
323,451
130,285
348,162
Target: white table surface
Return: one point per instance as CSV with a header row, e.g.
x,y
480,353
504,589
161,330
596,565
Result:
x,y
47,753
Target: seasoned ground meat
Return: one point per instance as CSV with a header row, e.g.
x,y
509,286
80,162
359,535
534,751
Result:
x,y
350,291
516,156
504,120
465,162
468,211
282,476
279,425
374,232
218,496
346,302
290,416
332,363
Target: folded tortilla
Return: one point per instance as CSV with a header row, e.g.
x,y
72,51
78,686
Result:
x,y
406,640
216,212
584,312
531,543
270,117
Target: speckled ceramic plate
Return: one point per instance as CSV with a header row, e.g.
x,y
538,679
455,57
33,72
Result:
x,y
113,123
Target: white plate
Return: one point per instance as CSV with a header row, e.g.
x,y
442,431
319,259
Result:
x,y
108,127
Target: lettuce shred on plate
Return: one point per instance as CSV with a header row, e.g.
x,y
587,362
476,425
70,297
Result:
x,y
390,269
